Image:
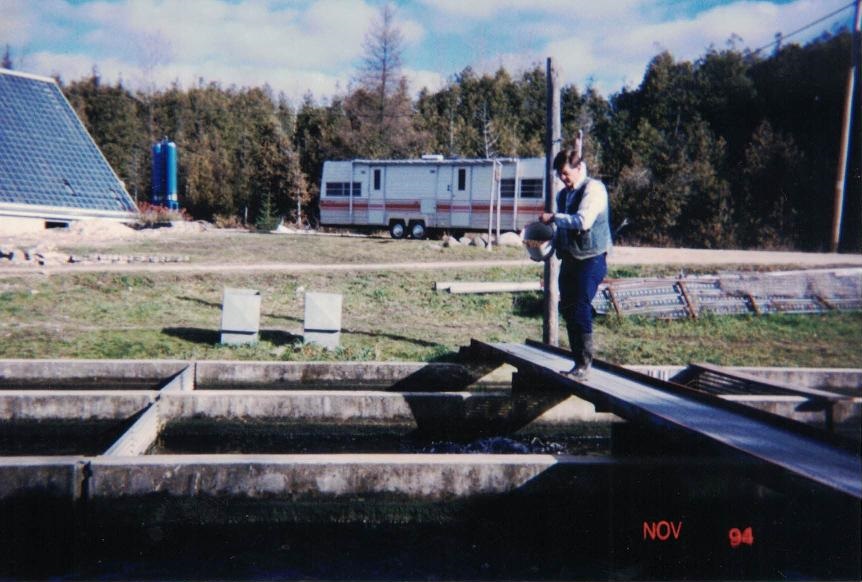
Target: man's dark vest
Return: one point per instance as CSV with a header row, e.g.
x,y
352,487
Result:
x,y
582,244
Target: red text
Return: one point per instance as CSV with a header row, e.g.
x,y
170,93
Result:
x,y
739,537
662,530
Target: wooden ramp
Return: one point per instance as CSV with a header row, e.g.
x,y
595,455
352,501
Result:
x,y
781,443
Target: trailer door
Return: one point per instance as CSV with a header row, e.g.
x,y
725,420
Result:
x,y
460,187
376,196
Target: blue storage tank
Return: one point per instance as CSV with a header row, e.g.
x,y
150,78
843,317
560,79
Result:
x,y
165,174
170,155
158,176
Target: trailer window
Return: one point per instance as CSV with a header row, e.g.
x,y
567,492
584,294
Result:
x,y
343,189
531,188
462,178
507,188
377,179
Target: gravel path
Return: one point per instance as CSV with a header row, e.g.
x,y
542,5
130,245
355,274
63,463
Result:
x,y
656,256
619,256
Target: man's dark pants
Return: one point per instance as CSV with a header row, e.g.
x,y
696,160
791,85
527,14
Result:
x,y
579,281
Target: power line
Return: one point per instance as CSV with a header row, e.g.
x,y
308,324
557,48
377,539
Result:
x,y
782,37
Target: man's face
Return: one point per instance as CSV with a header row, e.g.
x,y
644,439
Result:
x,y
570,175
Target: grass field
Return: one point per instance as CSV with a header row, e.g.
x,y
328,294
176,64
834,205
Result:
x,y
232,246
387,315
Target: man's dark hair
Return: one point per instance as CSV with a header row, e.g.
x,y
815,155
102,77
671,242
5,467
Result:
x,y
567,157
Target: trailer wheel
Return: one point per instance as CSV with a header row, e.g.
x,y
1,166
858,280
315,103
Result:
x,y
417,230
397,230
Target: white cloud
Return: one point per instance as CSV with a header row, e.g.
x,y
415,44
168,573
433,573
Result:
x,y
418,80
242,34
315,45
616,53
484,9
250,43
16,23
71,67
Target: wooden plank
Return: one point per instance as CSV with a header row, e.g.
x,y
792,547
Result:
x,y
826,303
754,304
689,303
493,287
614,301
634,399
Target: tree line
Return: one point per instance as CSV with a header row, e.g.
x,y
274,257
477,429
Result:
x,y
731,150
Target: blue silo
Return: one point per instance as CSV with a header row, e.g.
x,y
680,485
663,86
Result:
x,y
165,174
171,175
158,196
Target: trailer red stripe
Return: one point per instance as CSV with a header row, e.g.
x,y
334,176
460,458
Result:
x,y
411,206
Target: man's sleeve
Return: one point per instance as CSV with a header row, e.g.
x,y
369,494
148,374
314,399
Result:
x,y
595,200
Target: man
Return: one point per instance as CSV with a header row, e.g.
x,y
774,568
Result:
x,y
582,243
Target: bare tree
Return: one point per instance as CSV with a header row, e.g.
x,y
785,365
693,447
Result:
x,y
380,110
381,64
489,133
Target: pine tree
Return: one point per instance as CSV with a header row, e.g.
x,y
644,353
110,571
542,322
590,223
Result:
x,y
266,216
6,63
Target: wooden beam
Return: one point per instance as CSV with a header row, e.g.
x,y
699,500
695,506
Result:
x,y
614,301
456,288
689,302
553,132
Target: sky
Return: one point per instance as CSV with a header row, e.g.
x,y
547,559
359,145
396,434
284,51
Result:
x,y
302,47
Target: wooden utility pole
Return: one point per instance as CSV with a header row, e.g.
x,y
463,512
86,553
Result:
x,y
844,156
551,319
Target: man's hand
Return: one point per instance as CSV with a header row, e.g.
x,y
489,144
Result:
x,y
546,217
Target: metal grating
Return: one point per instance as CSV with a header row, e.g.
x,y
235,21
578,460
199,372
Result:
x,y
47,158
716,383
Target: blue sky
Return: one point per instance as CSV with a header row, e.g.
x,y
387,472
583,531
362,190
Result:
x,y
301,46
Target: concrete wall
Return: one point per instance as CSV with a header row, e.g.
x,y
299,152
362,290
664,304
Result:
x,y
141,415
79,405
98,374
59,510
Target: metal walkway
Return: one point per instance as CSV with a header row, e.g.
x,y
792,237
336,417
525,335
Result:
x,y
788,445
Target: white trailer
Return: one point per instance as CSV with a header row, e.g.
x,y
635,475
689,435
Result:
x,y
411,197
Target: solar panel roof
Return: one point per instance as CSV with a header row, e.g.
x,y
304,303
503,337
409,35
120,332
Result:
x,y
49,164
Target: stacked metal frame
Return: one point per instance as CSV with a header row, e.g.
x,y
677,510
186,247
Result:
x,y
733,294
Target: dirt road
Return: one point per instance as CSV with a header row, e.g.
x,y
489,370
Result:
x,y
619,256
661,256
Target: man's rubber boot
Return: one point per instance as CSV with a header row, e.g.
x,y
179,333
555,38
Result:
x,y
587,351
582,354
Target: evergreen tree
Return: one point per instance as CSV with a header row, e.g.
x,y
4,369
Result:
x,y
113,117
729,149
771,176
322,133
6,63
266,217
532,90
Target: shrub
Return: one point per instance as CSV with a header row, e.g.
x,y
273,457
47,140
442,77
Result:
x,y
227,221
153,215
